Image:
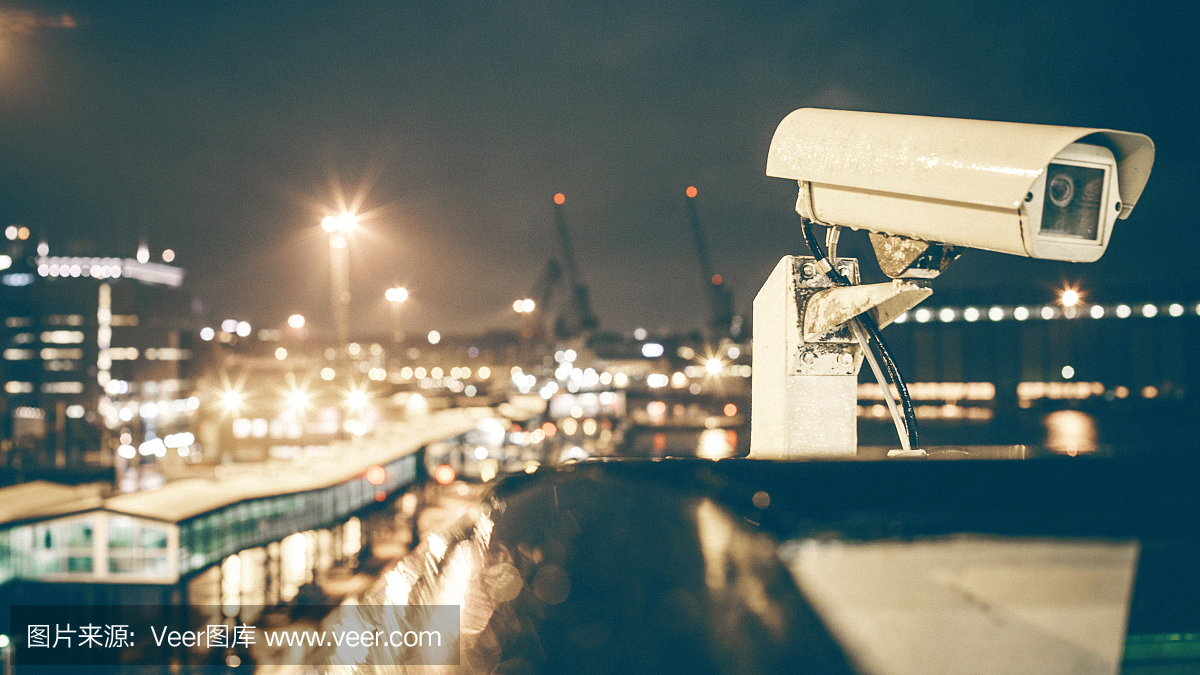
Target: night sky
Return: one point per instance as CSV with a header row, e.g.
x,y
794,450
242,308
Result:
x,y
226,130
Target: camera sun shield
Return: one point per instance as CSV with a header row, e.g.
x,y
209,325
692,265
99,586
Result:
x,y
972,183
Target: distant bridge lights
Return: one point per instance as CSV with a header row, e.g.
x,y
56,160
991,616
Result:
x,y
1067,307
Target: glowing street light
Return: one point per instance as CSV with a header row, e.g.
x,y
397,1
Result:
x,y
232,400
346,222
395,297
525,306
356,399
339,268
297,399
1071,300
296,321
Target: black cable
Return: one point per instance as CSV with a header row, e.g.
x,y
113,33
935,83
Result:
x,y
868,323
872,329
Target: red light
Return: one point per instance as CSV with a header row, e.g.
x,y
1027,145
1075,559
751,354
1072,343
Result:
x,y
718,279
376,475
444,474
730,410
549,429
559,198
660,442
380,495
692,192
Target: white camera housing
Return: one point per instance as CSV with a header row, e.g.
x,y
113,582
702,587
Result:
x,y
971,183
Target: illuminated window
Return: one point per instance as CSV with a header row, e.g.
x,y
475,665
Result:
x,y
62,388
137,548
63,547
62,337
70,353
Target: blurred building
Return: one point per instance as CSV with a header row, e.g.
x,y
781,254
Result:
x,y
96,358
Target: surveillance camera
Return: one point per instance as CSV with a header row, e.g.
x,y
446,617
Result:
x,y
1033,190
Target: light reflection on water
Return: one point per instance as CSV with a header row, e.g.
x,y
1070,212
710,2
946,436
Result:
x,y
294,570
717,443
256,578
1070,432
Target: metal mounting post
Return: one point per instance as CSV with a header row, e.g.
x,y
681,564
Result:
x,y
807,358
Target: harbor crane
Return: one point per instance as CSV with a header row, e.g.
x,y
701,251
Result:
x,y
720,299
576,317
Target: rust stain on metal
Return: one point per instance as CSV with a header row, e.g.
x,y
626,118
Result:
x,y
906,257
896,253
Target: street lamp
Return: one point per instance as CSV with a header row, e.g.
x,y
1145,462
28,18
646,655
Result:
x,y
395,297
298,400
1070,299
530,325
338,228
232,400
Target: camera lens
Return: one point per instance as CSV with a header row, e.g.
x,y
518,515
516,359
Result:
x,y
1061,190
1072,202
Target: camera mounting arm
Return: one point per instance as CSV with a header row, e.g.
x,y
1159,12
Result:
x,y
807,356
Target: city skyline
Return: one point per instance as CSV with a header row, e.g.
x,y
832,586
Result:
x,y
226,133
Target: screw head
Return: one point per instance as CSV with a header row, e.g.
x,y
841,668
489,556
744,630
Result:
x,y
809,269
845,359
808,357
